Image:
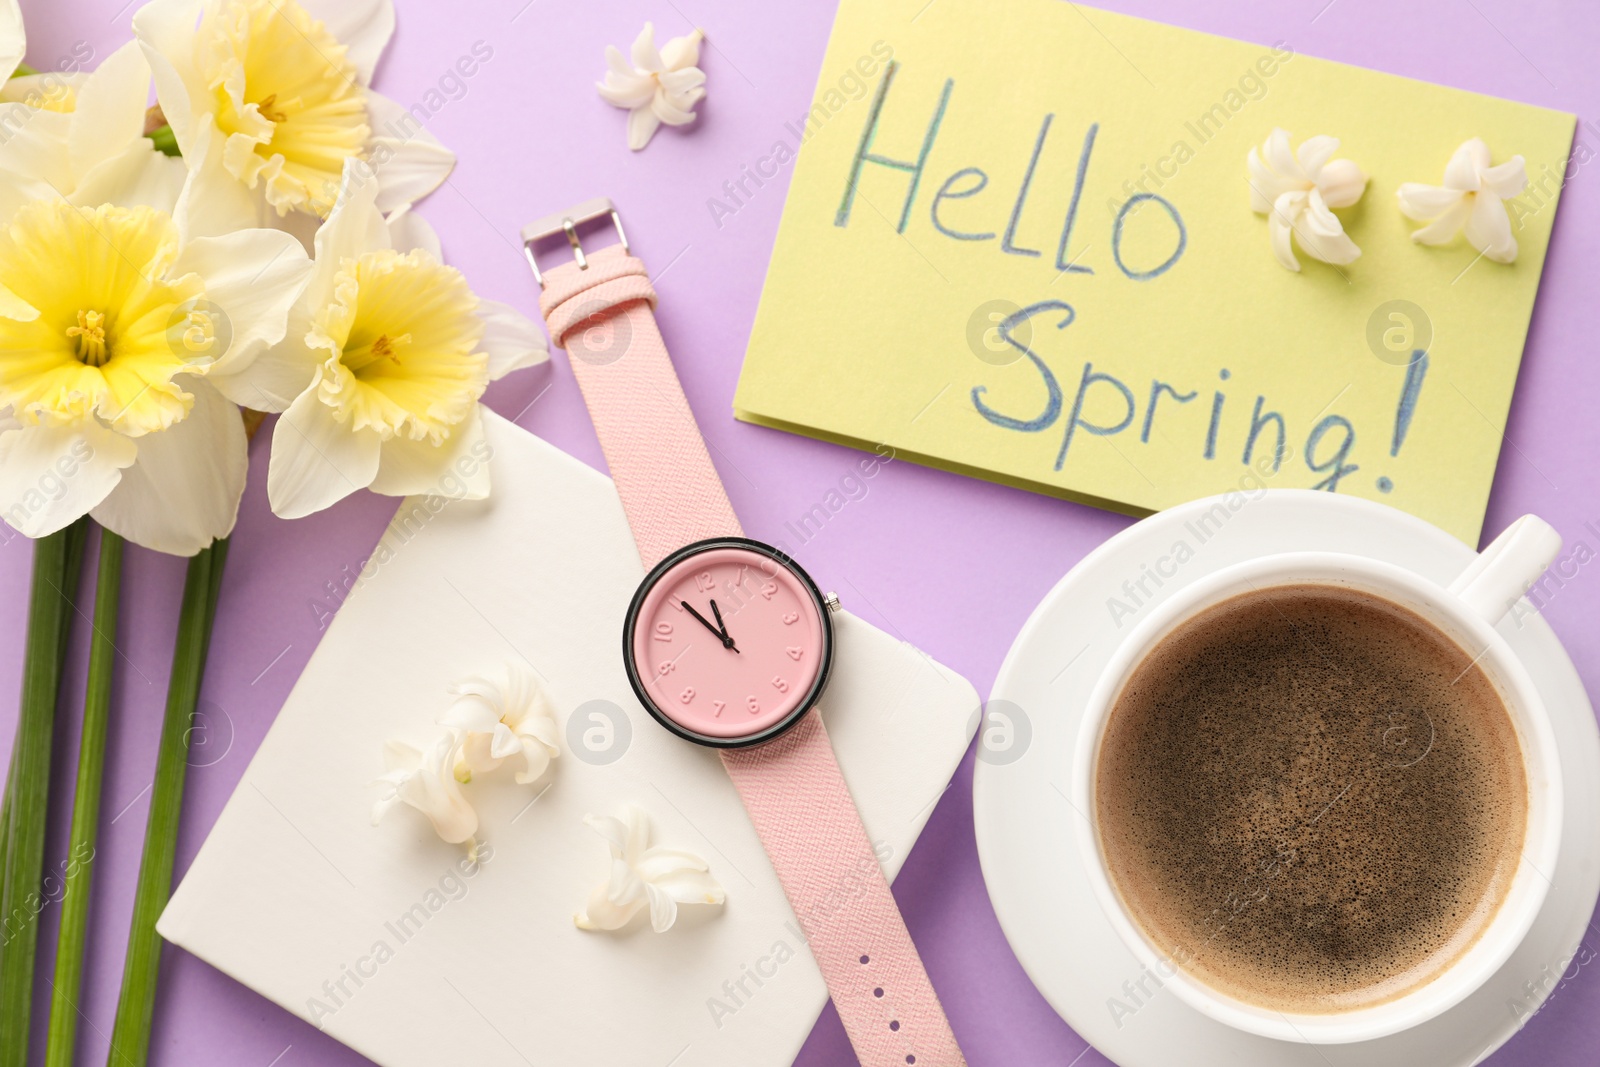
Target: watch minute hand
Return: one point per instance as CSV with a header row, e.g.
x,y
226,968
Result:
x,y
720,636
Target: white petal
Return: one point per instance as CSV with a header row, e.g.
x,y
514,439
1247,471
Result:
x,y
408,230
601,914
109,112
166,30
1281,158
277,375
642,125
317,460
252,278
471,713
503,742
1317,219
355,226
13,39
41,87
52,475
1488,228
1265,185
1314,152
682,83
681,52
628,92
674,111
362,26
1462,170
638,827
138,176
537,760
659,863
213,201
434,791
1424,202
34,148
645,56
457,469
183,491
692,887
1448,223
1329,247
1279,223
510,339
615,833
663,909
623,85
410,161
1506,179
1341,183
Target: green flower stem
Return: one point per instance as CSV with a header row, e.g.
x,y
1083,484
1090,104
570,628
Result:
x,y
28,786
23,70
165,140
130,1036
70,944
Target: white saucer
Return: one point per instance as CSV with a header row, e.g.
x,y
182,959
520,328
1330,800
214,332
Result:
x,y
1024,821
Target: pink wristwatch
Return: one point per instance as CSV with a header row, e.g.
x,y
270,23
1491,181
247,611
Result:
x,y
728,643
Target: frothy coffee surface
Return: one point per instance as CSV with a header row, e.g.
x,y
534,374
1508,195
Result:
x,y
1311,798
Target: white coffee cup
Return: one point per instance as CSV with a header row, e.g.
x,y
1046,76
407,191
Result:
x,y
1467,611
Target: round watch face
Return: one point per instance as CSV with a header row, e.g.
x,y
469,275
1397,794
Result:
x,y
727,642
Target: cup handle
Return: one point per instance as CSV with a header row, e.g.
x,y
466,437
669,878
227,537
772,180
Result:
x,y
1505,570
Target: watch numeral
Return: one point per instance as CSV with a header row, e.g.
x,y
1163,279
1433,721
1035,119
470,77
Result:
x,y
753,705
666,667
795,652
663,631
717,706
779,684
704,582
791,617
687,695
768,590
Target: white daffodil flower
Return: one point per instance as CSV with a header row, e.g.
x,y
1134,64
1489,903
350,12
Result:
x,y
641,876
113,318
1297,190
286,85
502,718
83,140
385,358
426,781
1472,198
659,86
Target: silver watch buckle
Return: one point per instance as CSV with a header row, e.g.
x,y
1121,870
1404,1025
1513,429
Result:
x,y
567,222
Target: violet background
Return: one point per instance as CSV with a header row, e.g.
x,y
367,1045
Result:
x,y
952,564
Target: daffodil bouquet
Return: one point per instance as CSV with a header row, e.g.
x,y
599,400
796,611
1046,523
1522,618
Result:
x,y
168,273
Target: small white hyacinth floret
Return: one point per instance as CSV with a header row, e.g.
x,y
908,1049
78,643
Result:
x,y
502,716
1472,199
658,86
1297,189
643,877
507,716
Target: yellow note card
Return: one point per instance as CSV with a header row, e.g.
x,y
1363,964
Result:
x,y
1019,243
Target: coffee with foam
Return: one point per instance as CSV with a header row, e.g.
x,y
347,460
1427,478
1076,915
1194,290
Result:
x,y
1311,799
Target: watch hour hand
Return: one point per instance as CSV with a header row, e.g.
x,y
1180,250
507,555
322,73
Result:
x,y
727,642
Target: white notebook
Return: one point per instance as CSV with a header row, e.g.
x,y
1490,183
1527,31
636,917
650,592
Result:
x,y
377,936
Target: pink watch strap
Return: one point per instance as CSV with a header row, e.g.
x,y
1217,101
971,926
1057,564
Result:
x,y
812,831
601,309
604,317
